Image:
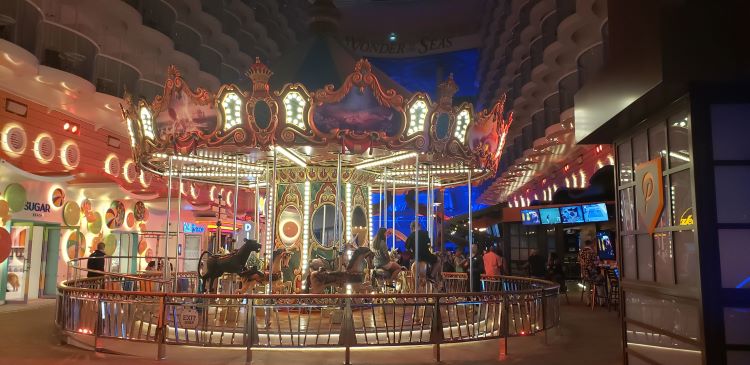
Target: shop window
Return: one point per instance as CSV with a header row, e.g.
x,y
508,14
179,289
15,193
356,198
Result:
x,y
630,264
686,258
640,149
680,191
732,198
679,140
657,143
645,252
664,257
734,250
729,129
625,162
627,210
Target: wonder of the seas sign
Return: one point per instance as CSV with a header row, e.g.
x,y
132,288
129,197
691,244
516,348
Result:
x,y
421,47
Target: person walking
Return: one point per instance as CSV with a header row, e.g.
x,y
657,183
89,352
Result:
x,y
536,265
476,267
95,262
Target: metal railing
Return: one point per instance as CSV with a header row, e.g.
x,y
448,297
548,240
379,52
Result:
x,y
124,307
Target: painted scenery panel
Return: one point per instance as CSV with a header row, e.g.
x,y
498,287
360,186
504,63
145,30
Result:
x,y
359,111
183,116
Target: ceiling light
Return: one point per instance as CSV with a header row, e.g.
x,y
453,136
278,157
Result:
x,y
392,37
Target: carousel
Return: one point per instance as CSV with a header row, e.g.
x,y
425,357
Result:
x,y
311,162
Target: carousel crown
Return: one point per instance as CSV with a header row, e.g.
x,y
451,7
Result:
x,y
259,74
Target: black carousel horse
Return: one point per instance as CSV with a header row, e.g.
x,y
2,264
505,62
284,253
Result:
x,y
211,267
320,277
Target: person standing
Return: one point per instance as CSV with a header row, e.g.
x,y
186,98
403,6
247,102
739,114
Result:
x,y
96,262
492,263
588,261
460,262
536,265
421,238
476,267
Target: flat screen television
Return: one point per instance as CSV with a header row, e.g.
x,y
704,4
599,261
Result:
x,y
550,215
571,214
595,212
530,216
606,245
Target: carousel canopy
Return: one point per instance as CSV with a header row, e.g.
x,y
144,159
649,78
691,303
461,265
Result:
x,y
323,106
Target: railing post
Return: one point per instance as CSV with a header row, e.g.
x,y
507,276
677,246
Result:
x,y
544,317
251,331
97,322
436,330
347,337
161,328
505,318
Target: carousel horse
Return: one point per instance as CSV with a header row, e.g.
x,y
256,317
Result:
x,y
434,276
211,267
253,277
320,277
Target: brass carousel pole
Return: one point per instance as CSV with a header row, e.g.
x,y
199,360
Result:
x,y
428,211
393,215
257,210
416,220
272,210
471,235
179,225
337,234
236,196
169,212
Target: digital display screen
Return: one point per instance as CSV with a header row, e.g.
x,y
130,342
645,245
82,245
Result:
x,y
550,215
571,214
530,216
595,212
606,245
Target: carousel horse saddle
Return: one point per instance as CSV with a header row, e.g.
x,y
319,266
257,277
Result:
x,y
381,274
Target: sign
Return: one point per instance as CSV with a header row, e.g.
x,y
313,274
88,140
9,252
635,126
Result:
x,y
686,219
189,318
649,193
36,207
188,227
421,47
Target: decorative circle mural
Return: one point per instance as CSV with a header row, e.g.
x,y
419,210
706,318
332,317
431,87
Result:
x,y
110,217
130,220
5,243
139,211
142,246
75,238
95,224
290,225
119,208
86,207
58,197
110,244
15,195
71,213
4,211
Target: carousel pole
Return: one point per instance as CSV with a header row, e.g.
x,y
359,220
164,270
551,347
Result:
x,y
272,210
257,210
393,215
236,196
381,219
416,220
179,225
337,217
428,211
471,235
169,212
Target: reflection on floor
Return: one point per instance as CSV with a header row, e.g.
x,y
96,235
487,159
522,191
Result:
x,y
28,337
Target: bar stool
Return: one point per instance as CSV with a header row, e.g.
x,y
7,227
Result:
x,y
613,290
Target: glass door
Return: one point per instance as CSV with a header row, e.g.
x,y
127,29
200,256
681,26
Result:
x,y
20,235
53,273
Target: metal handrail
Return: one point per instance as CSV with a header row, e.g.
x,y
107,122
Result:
x,y
87,308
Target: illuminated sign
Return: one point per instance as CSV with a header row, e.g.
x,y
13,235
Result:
x,y
686,218
192,228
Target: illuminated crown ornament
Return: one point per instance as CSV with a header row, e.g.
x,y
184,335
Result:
x,y
446,90
259,74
